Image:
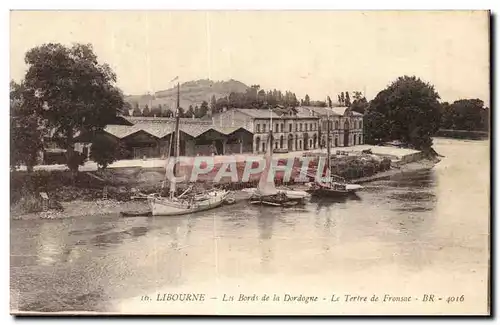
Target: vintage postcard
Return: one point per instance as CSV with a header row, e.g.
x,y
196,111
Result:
x,y
250,162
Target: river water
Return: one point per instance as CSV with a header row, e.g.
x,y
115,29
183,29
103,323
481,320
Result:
x,y
416,234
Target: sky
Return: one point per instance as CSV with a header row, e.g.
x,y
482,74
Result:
x,y
319,53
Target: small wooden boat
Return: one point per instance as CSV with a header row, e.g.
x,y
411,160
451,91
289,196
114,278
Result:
x,y
166,206
335,187
135,213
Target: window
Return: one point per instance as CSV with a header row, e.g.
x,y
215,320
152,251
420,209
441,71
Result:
x,y
290,128
258,128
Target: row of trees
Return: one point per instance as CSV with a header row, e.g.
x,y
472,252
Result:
x,y
409,111
164,111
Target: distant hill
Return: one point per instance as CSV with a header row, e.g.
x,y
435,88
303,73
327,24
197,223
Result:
x,y
191,93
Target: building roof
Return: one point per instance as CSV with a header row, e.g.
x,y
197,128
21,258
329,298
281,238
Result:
x,y
265,114
164,120
121,131
161,130
337,111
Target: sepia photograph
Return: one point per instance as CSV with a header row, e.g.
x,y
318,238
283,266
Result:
x,y
173,162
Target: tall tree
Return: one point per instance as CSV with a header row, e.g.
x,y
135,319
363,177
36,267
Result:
x,y
468,114
156,111
447,116
357,95
72,91
189,112
127,108
307,100
203,109
146,111
359,105
26,129
213,105
407,110
347,99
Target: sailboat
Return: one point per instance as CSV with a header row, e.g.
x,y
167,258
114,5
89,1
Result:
x,y
266,192
331,185
184,203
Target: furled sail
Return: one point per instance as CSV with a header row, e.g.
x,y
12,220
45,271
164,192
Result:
x,y
266,184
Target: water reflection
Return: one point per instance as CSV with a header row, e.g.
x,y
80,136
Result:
x,y
389,222
265,223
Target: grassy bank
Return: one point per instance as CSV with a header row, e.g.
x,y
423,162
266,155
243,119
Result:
x,y
84,195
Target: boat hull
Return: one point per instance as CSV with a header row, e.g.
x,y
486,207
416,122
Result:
x,y
169,207
350,189
290,194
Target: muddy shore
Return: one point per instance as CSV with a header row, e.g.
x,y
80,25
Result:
x,y
79,208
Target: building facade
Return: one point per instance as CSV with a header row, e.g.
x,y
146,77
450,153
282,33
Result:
x,y
346,126
292,130
150,137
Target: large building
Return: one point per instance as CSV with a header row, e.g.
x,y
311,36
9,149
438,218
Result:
x,y
346,126
292,130
234,131
150,137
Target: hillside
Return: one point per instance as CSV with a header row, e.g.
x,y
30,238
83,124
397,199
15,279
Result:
x,y
191,93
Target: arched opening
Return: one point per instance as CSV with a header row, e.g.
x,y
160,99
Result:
x,y
346,133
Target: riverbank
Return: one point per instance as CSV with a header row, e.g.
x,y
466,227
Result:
x,y
96,205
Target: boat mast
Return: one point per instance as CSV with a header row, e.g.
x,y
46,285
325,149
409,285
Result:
x,y
271,132
328,143
177,143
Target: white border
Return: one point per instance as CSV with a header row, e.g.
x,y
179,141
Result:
x,y
188,5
